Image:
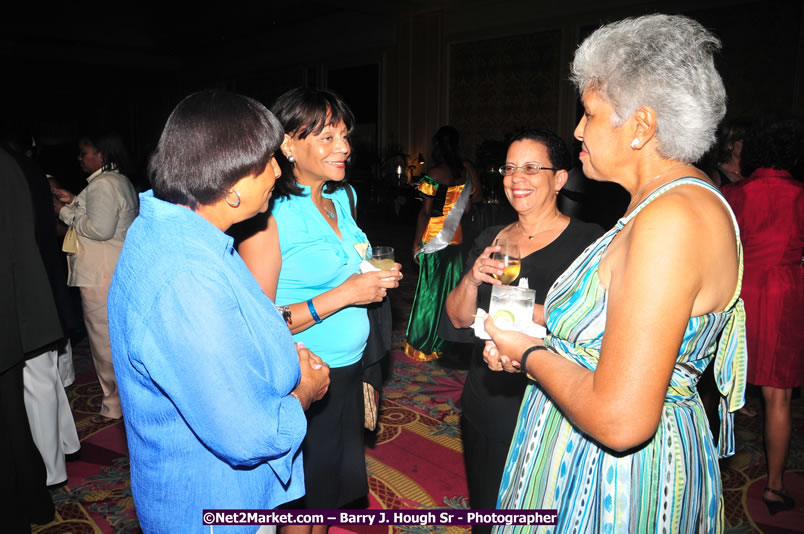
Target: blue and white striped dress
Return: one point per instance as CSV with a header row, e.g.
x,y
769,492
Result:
x,y
670,484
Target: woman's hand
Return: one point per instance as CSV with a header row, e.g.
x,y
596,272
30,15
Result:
x,y
314,377
484,267
461,302
505,350
63,196
538,314
372,286
57,205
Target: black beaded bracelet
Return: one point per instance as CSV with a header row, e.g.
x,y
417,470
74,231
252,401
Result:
x,y
523,367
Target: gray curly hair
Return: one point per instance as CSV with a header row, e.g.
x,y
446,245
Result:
x,y
662,61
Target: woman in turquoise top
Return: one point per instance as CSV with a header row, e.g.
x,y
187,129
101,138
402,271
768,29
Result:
x,y
612,432
306,259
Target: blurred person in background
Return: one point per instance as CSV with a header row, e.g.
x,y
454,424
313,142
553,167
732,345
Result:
x,y
448,190
769,205
29,326
49,413
729,148
98,219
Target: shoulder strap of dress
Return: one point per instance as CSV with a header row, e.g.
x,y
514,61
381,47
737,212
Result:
x,y
696,181
675,183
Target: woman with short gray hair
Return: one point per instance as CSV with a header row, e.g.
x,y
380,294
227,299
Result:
x,y
611,431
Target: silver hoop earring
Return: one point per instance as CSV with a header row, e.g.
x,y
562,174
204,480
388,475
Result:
x,y
291,159
237,194
635,144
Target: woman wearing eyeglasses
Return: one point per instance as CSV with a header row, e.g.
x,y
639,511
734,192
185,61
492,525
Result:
x,y
535,170
448,189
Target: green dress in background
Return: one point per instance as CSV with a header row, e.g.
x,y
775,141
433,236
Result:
x,y
439,272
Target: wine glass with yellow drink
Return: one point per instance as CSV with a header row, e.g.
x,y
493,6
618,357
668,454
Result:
x,y
509,255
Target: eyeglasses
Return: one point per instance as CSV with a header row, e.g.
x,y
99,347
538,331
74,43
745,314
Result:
x,y
528,168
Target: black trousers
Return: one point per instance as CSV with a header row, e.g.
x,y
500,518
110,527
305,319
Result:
x,y
485,462
24,497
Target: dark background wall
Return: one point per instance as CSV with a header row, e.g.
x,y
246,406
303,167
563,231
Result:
x,y
406,67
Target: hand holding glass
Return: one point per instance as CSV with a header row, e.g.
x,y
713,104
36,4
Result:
x,y
381,257
509,255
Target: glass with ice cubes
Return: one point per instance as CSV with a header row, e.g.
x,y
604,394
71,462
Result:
x,y
512,307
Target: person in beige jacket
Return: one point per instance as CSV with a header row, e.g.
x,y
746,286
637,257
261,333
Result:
x,y
99,216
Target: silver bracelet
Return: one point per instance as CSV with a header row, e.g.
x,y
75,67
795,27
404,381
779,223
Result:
x,y
286,315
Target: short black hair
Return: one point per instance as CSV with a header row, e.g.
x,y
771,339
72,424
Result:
x,y
211,140
446,149
304,111
730,132
556,147
776,142
109,143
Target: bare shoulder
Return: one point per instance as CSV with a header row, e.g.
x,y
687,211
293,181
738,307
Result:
x,y
690,227
442,174
691,208
259,236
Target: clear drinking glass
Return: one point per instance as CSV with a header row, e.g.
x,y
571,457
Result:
x,y
512,307
381,257
509,255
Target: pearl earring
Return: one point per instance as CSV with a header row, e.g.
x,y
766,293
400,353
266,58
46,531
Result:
x,y
291,159
635,143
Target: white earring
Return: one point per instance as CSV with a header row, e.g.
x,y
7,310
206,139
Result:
x,y
635,143
291,159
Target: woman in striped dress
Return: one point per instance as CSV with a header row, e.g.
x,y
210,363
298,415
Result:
x,y
611,432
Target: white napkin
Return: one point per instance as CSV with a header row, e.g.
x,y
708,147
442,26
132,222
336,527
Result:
x,y
532,329
366,267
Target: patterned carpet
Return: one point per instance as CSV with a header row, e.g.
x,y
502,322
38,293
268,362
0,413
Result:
x,y
415,461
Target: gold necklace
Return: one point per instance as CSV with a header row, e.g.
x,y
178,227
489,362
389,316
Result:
x,y
546,227
646,184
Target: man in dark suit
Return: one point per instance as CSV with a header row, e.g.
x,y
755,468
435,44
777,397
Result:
x,y
49,412
28,325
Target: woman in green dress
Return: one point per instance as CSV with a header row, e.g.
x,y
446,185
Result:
x,y
448,190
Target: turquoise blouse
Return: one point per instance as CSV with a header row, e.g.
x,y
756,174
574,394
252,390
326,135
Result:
x,y
315,260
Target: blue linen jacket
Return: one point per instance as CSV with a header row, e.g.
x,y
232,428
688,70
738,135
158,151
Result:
x,y
204,363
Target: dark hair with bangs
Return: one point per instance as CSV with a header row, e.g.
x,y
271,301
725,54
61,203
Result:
x,y
304,111
556,147
211,140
